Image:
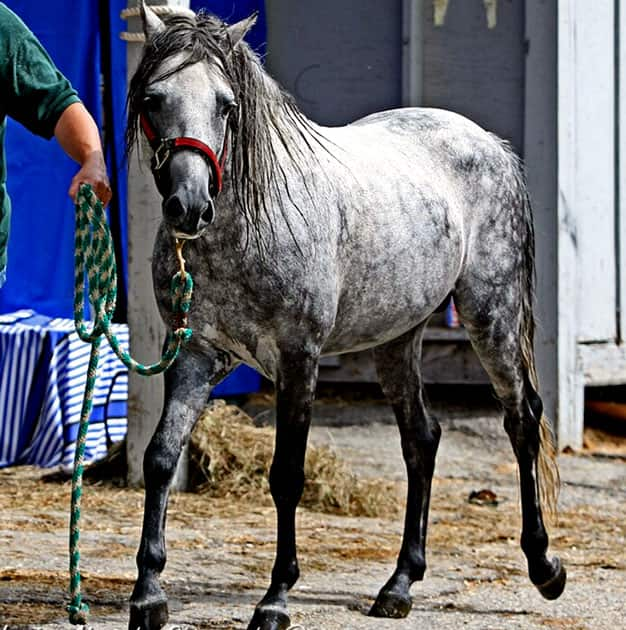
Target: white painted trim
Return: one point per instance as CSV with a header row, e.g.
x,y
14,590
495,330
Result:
x,y
569,413
593,62
602,364
621,171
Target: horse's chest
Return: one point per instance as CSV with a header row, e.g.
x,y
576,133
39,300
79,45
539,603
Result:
x,y
228,315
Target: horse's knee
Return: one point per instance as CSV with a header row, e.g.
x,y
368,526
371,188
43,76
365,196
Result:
x,y
286,484
420,443
522,426
533,405
159,462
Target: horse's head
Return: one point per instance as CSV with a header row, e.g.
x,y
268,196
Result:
x,y
183,100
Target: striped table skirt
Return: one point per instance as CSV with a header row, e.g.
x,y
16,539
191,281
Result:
x,y
43,369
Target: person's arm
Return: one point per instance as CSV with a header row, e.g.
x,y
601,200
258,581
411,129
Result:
x,y
38,96
77,133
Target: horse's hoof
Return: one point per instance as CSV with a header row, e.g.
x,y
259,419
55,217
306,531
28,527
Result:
x,y
391,605
269,618
150,617
553,588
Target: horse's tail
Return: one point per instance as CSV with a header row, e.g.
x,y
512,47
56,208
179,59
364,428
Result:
x,y
547,472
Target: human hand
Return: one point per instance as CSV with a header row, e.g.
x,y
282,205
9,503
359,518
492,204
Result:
x,y
93,171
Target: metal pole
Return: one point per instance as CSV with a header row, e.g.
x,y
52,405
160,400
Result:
x,y
412,53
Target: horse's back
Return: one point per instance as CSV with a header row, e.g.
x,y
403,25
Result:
x,y
441,153
478,169
442,142
417,119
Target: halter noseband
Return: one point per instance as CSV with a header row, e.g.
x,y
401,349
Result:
x,y
164,147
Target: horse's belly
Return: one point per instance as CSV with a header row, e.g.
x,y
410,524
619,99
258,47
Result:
x,y
391,287
357,339
375,324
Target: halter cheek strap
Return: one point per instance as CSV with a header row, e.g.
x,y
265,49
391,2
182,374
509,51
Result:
x,y
164,148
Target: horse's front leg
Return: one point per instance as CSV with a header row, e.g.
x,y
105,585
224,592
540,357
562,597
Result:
x,y
295,390
187,386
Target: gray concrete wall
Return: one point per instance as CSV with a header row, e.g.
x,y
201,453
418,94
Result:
x,y
475,70
340,60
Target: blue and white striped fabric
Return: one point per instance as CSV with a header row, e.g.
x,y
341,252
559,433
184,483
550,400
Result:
x,y
43,369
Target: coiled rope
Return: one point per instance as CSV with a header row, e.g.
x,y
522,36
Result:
x,y
94,257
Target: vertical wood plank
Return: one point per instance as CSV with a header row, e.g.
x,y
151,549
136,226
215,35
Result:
x,y
412,53
620,74
590,220
540,156
147,331
477,71
570,406
340,60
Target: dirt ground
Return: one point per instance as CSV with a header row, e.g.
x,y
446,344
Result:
x,y
220,552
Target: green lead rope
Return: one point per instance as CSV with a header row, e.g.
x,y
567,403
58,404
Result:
x,y
94,257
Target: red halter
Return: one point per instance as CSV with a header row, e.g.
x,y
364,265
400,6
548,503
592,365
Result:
x,y
164,147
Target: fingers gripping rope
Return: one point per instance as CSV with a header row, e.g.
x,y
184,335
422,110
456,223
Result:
x,y
94,257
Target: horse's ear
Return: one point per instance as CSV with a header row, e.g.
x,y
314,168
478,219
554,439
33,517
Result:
x,y
237,32
152,23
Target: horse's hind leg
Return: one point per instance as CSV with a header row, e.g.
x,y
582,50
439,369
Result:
x,y
398,367
187,387
498,318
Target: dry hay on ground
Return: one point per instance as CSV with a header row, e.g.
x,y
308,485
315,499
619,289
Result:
x,y
601,442
231,457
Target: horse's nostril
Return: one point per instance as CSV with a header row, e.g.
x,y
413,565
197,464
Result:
x,y
173,209
209,214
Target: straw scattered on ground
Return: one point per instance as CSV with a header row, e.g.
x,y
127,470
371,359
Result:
x,y
230,458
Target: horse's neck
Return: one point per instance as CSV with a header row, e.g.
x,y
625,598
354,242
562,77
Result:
x,y
285,157
267,87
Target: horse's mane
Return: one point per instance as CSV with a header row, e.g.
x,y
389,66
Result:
x,y
257,173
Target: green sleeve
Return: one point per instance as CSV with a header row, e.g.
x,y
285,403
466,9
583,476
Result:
x,y
34,92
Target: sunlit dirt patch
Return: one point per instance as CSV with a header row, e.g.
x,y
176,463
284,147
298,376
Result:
x,y
32,596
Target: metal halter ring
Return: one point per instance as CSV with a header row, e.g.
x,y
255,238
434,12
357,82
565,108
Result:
x,y
161,155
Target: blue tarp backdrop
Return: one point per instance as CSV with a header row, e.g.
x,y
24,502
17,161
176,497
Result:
x,y
41,243
40,268
83,40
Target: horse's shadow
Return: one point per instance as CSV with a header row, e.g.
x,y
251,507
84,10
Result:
x,y
359,603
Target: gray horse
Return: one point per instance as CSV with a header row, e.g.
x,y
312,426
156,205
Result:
x,y
306,241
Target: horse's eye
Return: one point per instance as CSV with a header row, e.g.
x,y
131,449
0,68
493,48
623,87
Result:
x,y
228,108
150,103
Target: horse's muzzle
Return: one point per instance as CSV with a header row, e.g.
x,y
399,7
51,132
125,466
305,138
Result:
x,y
187,222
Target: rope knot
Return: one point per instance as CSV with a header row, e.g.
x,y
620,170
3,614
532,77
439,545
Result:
x,y
183,334
78,614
